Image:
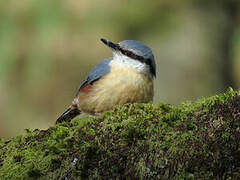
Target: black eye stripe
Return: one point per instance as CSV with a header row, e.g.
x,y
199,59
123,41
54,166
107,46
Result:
x,y
130,54
134,56
139,58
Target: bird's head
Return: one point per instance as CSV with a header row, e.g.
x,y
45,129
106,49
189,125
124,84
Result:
x,y
132,51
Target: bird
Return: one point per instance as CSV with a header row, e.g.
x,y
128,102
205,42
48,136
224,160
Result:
x,y
126,77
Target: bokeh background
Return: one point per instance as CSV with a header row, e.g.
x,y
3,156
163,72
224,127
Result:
x,y
47,47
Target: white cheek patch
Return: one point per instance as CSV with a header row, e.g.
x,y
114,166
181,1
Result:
x,y
125,61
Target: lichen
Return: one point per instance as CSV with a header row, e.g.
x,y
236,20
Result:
x,y
195,140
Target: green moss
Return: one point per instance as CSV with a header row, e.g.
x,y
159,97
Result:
x,y
195,140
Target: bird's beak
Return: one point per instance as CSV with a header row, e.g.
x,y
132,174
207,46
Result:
x,y
109,44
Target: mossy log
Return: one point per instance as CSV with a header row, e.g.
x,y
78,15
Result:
x,y
195,140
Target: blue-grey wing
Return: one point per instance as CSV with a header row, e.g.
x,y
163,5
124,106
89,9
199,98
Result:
x,y
99,71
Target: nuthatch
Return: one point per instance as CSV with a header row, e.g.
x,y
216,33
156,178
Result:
x,y
127,77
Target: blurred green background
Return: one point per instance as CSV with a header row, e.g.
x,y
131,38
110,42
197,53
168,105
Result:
x,y
47,47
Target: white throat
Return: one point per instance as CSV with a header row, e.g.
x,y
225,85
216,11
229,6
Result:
x,y
126,61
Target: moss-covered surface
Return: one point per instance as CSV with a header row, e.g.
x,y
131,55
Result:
x,y
195,140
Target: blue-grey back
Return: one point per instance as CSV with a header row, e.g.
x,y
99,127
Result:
x,y
99,71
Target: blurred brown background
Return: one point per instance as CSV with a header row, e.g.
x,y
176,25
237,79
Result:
x,y
47,47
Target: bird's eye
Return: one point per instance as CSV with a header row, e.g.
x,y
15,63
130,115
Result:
x,y
129,53
134,56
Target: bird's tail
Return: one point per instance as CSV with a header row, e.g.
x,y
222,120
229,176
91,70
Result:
x,y
68,115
